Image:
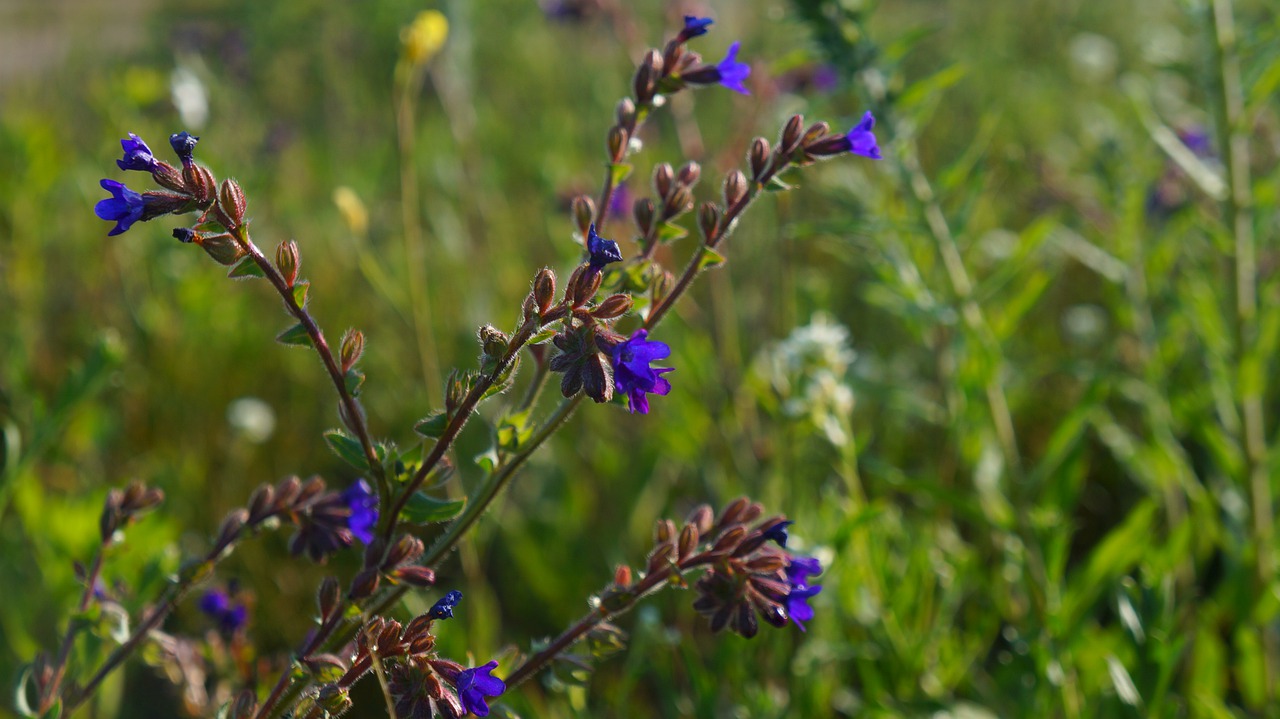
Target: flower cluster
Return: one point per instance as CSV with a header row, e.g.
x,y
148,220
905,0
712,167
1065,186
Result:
x,y
185,190
230,616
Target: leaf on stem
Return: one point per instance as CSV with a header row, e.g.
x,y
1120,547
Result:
x,y
246,268
300,292
433,425
350,450
295,335
709,258
425,509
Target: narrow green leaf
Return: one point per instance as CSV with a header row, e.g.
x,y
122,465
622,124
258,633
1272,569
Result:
x,y
709,258
347,448
543,335
433,425
354,380
619,171
295,335
425,509
670,232
776,184
300,292
246,268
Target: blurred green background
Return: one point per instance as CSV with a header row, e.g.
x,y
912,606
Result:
x,y
1031,489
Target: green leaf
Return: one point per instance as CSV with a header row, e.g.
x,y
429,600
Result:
x,y
20,701
347,448
709,258
503,381
543,335
619,172
354,380
776,184
488,459
425,509
433,425
670,232
295,335
300,292
246,268
513,431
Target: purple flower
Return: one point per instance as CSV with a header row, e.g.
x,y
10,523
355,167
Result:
x,y
861,140
694,26
798,572
778,533
731,72
124,207
183,143
443,608
477,683
602,251
216,604
620,203
137,156
632,374
364,510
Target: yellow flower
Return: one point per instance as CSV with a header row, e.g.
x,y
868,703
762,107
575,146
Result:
x,y
352,210
424,37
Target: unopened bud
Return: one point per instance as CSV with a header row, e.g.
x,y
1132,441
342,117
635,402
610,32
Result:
x,y
416,576
689,174
597,378
334,699
352,348
735,188
732,513
688,540
364,584
614,306
200,183
406,549
581,291
231,527
625,113
288,491
759,157
660,557
708,221
493,342
661,286
232,203
680,202
288,261
109,521
789,140
622,575
816,131
701,518
584,213
664,531
663,177
643,211
328,595
730,539
617,145
646,77
544,289
261,504
221,247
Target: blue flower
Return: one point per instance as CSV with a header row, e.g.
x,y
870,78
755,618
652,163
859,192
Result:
x,y
731,72
443,608
477,683
602,251
694,26
632,374
798,572
861,140
778,533
183,143
364,510
137,156
124,207
216,604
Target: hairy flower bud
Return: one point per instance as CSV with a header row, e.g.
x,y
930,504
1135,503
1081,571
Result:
x,y
643,211
493,341
261,503
231,527
759,157
544,289
617,143
200,183
664,531
406,549
364,584
663,178
416,576
701,518
688,540
625,113
659,557
646,77
231,204
792,132
583,287
733,512
288,261
679,202
622,575
328,597
352,348
816,131
689,174
614,306
735,188
287,492
708,221
584,213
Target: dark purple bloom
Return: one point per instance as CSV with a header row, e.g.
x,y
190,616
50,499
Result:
x,y
861,140
602,251
778,533
137,156
124,207
695,26
183,143
217,605
620,203
364,510
731,72
443,608
798,572
477,683
1197,140
632,374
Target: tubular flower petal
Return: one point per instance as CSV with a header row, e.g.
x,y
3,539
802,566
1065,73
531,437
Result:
x,y
632,374
477,683
124,207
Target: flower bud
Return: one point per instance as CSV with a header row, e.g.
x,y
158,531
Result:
x,y
231,203
614,306
309,490
791,135
679,202
493,342
581,291
659,558
406,549
584,213
200,183
729,539
701,518
735,188
643,211
287,492
732,513
221,247
617,144
231,527
625,113
352,348
328,597
759,157
664,531
688,540
544,289
622,575
261,503
816,131
288,261
689,174
364,584
109,521
597,377
646,77
663,177
708,221
416,576
334,699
